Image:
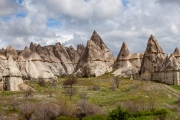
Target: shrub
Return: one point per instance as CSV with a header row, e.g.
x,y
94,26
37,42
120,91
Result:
x,y
161,114
28,93
67,108
66,118
83,95
26,111
86,71
96,117
178,100
95,87
14,104
84,108
41,82
118,114
46,111
71,80
70,92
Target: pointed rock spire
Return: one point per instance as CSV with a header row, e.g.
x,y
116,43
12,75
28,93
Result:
x,y
176,52
124,52
153,56
153,46
25,54
97,39
11,51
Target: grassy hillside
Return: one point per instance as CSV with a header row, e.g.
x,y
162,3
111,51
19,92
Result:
x,y
131,94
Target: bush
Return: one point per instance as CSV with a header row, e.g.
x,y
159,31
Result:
x,y
70,92
161,114
71,80
28,93
66,118
26,111
46,111
84,108
118,114
178,100
95,87
96,117
41,82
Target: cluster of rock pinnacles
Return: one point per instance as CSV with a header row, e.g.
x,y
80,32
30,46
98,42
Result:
x,y
47,62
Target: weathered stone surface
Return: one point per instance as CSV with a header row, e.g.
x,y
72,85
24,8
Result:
x,y
12,83
11,51
169,63
33,47
73,54
124,53
126,64
12,76
96,56
11,69
61,53
153,56
80,48
24,55
176,52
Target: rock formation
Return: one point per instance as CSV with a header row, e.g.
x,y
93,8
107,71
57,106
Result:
x,y
96,56
126,64
3,61
47,62
12,77
153,57
11,51
61,53
48,58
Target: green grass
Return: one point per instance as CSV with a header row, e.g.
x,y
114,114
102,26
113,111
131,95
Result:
x,y
175,87
129,90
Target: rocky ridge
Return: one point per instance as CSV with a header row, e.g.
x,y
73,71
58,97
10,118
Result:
x,y
47,62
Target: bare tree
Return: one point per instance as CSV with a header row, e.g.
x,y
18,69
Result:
x,y
114,82
71,80
86,71
83,95
28,93
46,111
14,103
70,92
26,111
41,82
84,108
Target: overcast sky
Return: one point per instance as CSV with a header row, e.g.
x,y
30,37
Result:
x,y
73,21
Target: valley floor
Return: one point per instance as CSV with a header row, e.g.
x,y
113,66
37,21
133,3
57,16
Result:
x,y
131,94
